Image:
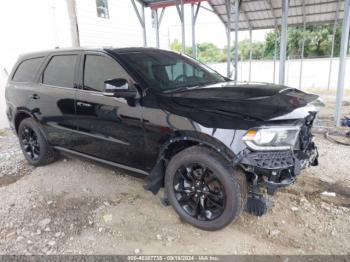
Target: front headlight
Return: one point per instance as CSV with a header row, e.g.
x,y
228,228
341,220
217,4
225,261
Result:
x,y
271,138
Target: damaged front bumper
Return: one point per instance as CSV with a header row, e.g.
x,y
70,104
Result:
x,y
275,169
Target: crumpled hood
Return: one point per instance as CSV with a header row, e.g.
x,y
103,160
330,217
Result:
x,y
211,105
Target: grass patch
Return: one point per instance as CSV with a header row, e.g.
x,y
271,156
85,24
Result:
x,y
3,132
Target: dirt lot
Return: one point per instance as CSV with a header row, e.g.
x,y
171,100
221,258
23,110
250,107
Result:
x,y
77,207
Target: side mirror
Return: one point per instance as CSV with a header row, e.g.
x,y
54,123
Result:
x,y
119,87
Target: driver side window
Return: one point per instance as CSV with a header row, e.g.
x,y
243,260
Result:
x,y
98,69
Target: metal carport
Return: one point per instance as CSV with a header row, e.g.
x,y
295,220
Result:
x,y
262,14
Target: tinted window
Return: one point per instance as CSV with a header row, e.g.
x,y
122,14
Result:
x,y
98,69
169,71
26,70
60,71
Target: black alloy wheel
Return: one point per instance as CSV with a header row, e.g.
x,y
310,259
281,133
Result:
x,y
33,143
30,143
204,189
199,192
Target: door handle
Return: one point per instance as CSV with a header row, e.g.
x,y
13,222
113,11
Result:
x,y
34,96
84,104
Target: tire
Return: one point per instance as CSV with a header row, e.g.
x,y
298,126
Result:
x,y
33,143
230,183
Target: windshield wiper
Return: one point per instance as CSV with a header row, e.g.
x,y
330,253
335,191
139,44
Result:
x,y
189,87
181,88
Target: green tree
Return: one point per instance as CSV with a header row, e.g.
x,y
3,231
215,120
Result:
x,y
318,42
258,50
177,47
295,39
244,47
270,42
208,52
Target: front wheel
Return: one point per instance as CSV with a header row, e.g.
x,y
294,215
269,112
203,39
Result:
x,y
33,144
203,189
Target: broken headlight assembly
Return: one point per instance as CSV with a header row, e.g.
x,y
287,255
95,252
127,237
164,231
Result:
x,y
271,138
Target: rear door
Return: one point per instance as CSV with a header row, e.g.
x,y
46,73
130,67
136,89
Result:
x,y
110,128
56,93
21,87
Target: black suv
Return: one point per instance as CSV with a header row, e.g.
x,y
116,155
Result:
x,y
215,146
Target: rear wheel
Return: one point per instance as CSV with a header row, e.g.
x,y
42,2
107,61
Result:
x,y
203,189
33,144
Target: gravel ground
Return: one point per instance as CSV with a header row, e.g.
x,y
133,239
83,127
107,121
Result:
x,y
78,207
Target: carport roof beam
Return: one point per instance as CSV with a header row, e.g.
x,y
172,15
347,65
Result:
x,y
267,14
155,4
269,4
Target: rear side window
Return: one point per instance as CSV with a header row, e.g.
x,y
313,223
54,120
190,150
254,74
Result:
x,y
60,71
27,69
98,69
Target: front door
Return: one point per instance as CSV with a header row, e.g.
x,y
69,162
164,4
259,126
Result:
x,y
109,127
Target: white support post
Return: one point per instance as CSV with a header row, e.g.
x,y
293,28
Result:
x,y
250,54
142,20
193,27
73,22
183,26
228,36
194,14
158,21
332,48
342,61
284,39
155,15
181,11
302,47
274,56
144,33
236,39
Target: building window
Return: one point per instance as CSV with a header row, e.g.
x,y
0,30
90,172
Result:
x,y
102,8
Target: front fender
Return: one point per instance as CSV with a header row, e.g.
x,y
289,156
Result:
x,y
196,138
179,142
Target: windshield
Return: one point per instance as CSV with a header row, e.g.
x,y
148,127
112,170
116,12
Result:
x,y
167,71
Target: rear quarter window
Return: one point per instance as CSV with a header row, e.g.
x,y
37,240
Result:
x,y
27,69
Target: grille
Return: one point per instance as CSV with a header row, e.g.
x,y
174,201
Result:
x,y
271,160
